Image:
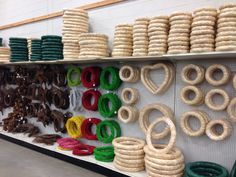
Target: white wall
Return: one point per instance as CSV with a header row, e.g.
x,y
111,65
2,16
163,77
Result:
x,y
16,10
103,20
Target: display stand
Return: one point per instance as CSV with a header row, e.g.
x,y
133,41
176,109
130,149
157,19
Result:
x,y
108,169
87,162
179,57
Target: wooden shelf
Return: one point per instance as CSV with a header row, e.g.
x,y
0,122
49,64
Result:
x,y
179,57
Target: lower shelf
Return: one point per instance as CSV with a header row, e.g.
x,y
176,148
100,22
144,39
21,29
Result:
x,y
87,162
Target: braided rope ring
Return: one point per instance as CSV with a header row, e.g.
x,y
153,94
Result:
x,y
124,168
210,74
130,152
172,140
131,157
129,74
130,95
234,82
184,123
188,70
172,162
144,118
198,95
128,143
150,85
173,154
211,131
231,110
164,172
128,114
209,99
127,163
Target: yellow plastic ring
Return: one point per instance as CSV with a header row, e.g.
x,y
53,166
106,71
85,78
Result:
x,y
73,126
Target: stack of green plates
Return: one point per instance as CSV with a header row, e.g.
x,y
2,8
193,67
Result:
x,y
0,42
52,47
36,52
19,49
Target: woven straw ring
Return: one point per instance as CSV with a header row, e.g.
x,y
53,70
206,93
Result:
x,y
148,82
198,98
234,82
129,74
172,141
188,70
217,107
128,114
211,71
212,132
231,110
200,116
134,143
129,96
173,154
144,118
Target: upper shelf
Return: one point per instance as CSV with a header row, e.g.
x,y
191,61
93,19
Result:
x,y
179,57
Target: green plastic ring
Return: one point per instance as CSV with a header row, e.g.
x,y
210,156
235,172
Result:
x,y
70,72
104,136
101,131
107,151
104,154
103,105
102,159
115,79
206,171
199,169
115,128
233,171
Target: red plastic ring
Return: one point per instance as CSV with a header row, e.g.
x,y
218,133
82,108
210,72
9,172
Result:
x,y
86,128
83,149
90,77
87,99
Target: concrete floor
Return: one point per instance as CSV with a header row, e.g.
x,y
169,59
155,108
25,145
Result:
x,y
18,161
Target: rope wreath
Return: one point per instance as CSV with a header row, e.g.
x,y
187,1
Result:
x,y
188,70
231,110
212,132
86,128
201,116
172,140
130,163
129,96
104,153
90,77
103,105
73,82
73,126
130,74
234,81
198,98
150,85
115,79
196,169
127,114
211,70
75,99
102,134
144,117
209,99
163,160
87,98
